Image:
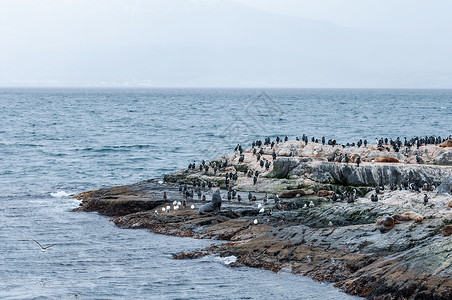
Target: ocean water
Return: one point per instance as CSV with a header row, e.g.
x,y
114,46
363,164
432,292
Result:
x,y
56,142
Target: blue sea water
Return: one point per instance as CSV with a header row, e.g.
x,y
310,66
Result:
x,y
55,142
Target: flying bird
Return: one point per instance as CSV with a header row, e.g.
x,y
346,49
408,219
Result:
x,y
43,249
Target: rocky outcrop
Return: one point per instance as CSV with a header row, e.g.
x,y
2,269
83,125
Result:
x,y
122,200
364,175
445,186
396,248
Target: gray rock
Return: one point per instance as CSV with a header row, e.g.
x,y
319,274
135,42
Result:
x,y
445,186
367,175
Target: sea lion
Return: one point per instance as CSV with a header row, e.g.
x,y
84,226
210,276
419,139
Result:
x,y
447,143
447,230
213,206
401,218
413,216
324,193
385,223
386,159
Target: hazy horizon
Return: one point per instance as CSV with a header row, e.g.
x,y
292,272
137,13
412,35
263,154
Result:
x,y
225,44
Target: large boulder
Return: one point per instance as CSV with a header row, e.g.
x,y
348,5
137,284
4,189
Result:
x,y
282,166
445,186
443,157
369,175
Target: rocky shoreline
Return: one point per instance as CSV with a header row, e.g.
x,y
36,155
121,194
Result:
x,y
398,247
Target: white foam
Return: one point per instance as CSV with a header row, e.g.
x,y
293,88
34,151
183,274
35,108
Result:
x,y
59,194
227,260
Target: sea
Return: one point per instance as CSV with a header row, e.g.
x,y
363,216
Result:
x,y
55,142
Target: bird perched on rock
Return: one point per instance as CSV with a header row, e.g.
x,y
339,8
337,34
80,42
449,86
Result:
x,y
255,222
374,198
330,224
311,204
418,159
255,180
239,198
261,210
250,196
425,199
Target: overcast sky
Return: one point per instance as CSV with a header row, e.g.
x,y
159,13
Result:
x,y
225,43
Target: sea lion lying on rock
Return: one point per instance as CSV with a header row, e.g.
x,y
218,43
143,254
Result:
x,y
447,230
325,193
385,223
213,206
449,205
413,216
408,216
447,143
387,159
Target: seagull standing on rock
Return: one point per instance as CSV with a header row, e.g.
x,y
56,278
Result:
x,y
311,204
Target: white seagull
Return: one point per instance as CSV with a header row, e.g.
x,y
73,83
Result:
x,y
43,249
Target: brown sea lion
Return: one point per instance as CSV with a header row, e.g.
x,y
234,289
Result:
x,y
413,216
449,205
400,218
290,193
387,159
385,223
325,193
447,143
447,230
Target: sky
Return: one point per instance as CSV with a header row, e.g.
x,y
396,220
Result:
x,y
226,43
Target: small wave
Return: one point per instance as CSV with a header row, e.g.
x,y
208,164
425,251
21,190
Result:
x,y
227,260
59,194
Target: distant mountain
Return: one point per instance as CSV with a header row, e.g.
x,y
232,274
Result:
x,y
203,43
